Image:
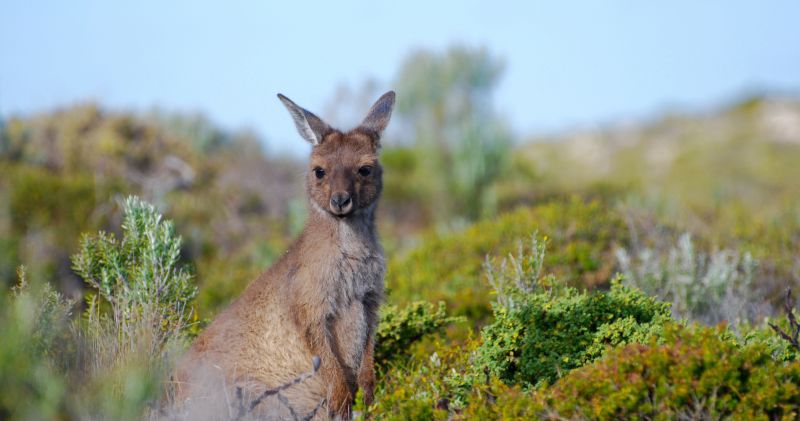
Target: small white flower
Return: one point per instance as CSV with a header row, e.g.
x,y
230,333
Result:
x,y
435,359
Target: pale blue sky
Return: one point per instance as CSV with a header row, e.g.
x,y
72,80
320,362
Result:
x,y
569,63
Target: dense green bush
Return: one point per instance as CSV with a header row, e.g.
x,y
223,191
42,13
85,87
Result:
x,y
552,332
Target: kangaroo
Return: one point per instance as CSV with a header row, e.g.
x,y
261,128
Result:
x,y
320,299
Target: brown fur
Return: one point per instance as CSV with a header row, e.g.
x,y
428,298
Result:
x,y
320,299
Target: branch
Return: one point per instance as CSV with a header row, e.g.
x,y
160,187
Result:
x,y
793,335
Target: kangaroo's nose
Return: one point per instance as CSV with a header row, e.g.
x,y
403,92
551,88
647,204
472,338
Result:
x,y
340,201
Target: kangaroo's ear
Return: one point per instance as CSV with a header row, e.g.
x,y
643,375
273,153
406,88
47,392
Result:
x,y
311,127
378,117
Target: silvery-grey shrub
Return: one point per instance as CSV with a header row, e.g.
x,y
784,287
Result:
x,y
705,287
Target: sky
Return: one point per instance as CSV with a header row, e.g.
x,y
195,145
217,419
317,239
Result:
x,y
569,64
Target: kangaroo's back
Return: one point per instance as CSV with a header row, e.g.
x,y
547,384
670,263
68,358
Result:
x,y
318,302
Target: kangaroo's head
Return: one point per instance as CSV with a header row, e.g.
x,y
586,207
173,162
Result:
x,y
344,175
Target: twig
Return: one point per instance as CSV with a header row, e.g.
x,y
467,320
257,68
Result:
x,y
794,327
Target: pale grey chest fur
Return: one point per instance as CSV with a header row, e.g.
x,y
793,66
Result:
x,y
358,267
356,276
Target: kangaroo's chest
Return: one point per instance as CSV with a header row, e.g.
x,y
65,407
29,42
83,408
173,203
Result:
x,y
356,268
358,283
353,277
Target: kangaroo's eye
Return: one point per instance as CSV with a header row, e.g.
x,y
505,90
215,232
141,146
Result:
x,y
365,170
319,172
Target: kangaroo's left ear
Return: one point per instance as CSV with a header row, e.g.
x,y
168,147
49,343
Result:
x,y
378,117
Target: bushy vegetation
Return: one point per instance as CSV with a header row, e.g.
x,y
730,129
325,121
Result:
x,y
695,374
400,327
582,234
550,333
710,289
554,353
541,330
112,359
139,279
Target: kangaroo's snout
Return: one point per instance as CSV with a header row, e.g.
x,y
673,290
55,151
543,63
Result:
x,y
341,203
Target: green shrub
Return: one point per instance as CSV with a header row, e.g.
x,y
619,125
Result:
x,y
399,328
552,332
695,374
527,362
148,293
540,331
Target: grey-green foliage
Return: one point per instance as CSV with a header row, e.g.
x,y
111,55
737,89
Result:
x,y
518,275
447,99
708,288
140,278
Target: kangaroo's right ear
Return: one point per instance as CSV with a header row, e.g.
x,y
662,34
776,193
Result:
x,y
311,127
